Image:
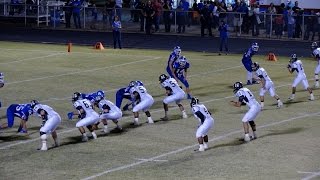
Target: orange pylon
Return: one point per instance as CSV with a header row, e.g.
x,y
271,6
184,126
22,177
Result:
x,y
99,46
272,57
69,47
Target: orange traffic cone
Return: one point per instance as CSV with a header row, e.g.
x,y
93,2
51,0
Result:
x,y
69,47
99,46
272,57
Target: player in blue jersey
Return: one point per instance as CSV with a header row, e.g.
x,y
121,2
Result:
x,y
247,62
180,67
22,111
172,58
91,96
124,93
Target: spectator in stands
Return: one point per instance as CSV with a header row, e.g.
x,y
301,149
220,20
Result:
x,y
271,11
298,19
246,23
215,14
141,6
67,8
279,24
116,32
110,11
222,8
223,29
281,8
200,5
311,22
205,19
76,4
230,15
290,23
237,21
148,14
318,25
181,18
118,7
255,20
167,15
94,16
157,6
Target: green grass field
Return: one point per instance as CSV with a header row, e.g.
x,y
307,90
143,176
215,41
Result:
x,y
287,148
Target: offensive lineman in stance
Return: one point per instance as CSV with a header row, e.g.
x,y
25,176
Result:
x,y
245,96
206,122
50,121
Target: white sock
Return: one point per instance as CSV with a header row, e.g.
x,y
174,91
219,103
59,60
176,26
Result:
x,y
262,104
105,127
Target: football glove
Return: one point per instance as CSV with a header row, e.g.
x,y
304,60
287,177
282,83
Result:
x,y
70,115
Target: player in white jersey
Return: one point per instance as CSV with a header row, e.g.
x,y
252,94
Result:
x,y
206,122
88,117
142,101
50,121
1,82
109,111
296,65
266,84
174,94
316,54
246,97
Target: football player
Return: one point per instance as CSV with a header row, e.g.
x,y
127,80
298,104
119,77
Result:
x,y
174,94
50,121
124,93
180,67
247,62
91,96
206,122
142,101
109,111
22,111
266,84
84,111
172,58
245,96
296,65
316,55
1,82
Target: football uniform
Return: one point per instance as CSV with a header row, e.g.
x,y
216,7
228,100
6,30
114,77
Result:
x,y
316,54
114,112
1,78
50,121
301,76
89,116
269,86
179,67
172,58
244,95
144,100
206,121
246,59
177,94
22,111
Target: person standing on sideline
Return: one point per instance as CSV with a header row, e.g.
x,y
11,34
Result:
x,y
296,65
316,56
116,27
206,122
245,96
50,121
223,29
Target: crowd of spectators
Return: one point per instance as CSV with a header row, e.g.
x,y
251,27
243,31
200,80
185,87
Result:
x,y
159,15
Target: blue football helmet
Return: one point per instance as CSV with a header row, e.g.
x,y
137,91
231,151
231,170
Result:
x,y
177,50
100,93
255,47
237,86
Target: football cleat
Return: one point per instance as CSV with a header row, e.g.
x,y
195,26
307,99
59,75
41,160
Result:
x,y
280,104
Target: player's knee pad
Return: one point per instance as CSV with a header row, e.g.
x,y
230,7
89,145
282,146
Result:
x,y
253,125
43,136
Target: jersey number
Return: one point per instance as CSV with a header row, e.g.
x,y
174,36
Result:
x,y
86,104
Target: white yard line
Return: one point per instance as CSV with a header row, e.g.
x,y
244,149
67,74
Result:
x,y
32,58
223,136
82,71
311,176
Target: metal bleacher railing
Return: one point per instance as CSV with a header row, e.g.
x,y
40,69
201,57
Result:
x,y
52,14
